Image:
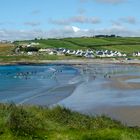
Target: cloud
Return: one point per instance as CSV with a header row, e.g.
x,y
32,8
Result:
x,y
75,29
129,20
83,19
81,11
59,21
110,1
35,12
69,31
76,19
118,30
32,23
21,34
105,1
66,31
116,23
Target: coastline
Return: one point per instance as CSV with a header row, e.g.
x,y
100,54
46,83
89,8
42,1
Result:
x,y
73,62
52,97
127,115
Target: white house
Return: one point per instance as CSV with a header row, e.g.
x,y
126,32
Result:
x,y
45,50
136,54
71,52
29,53
79,53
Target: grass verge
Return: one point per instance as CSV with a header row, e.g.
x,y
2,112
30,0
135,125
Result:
x,y
37,123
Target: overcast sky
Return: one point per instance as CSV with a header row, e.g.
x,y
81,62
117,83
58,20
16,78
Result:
x,y
27,19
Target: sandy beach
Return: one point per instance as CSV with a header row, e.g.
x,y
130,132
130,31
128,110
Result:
x,y
75,62
120,82
50,97
116,97
128,115
91,91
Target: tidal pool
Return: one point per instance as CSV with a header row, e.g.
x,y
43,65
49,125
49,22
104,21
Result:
x,y
94,89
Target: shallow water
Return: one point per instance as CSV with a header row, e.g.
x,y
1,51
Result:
x,y
133,81
113,87
20,84
99,90
91,89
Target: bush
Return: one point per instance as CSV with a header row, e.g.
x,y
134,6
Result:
x,y
21,122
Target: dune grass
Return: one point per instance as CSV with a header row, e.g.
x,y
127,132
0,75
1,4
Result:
x,y
37,123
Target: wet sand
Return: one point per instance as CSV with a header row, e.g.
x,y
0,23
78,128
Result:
x,y
128,115
120,82
50,97
117,96
74,62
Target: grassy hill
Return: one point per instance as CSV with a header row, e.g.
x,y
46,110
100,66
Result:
x,y
122,44
35,123
125,45
6,49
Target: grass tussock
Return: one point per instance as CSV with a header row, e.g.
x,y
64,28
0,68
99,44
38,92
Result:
x,y
21,122
37,123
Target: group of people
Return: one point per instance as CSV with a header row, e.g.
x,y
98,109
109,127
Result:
x,y
43,74
93,73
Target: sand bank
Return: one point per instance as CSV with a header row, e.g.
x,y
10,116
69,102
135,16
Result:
x,y
120,82
75,62
128,115
51,96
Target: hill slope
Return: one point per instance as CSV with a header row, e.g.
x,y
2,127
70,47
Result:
x,y
34,123
126,45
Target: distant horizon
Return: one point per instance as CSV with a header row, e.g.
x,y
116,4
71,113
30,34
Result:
x,y
21,20
40,38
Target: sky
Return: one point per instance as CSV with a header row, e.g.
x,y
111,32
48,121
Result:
x,y
28,19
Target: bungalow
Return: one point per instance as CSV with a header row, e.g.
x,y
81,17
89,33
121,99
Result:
x,y
100,54
29,53
136,54
45,50
34,44
108,53
71,52
53,52
89,55
79,53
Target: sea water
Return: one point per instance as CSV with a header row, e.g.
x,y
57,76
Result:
x,y
21,82
78,88
96,90
91,89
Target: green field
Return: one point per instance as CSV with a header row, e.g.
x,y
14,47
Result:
x,y
7,55
127,45
36,123
124,45
6,49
